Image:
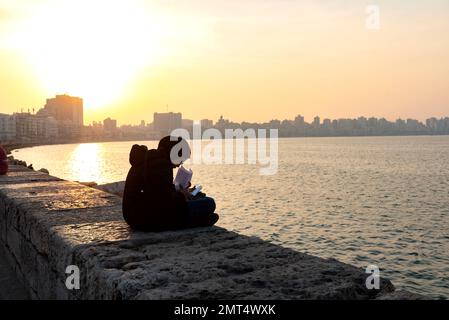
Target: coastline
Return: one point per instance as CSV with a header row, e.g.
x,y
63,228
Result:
x,y
11,146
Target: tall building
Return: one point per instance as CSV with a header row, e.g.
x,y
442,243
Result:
x,y
187,124
65,108
432,124
68,112
26,126
109,125
275,124
299,121
7,127
47,127
165,123
206,124
327,123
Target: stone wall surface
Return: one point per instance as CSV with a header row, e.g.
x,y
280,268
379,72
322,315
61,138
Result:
x,y
47,224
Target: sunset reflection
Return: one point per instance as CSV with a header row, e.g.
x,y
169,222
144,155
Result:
x,y
85,162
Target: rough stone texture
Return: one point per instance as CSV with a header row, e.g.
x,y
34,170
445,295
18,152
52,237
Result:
x,y
401,295
116,188
10,287
47,224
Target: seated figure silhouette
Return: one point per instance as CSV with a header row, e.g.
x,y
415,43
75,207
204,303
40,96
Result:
x,y
3,161
150,199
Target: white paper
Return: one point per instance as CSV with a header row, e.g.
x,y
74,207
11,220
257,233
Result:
x,y
183,177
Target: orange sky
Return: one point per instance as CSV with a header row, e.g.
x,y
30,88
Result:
x,y
251,60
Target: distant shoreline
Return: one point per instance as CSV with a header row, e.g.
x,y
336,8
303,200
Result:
x,y
9,147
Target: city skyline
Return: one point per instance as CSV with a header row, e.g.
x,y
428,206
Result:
x,y
61,119
77,102
251,61
146,116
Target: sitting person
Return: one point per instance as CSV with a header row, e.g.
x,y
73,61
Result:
x,y
150,199
3,162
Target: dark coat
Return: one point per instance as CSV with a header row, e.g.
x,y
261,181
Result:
x,y
3,161
150,200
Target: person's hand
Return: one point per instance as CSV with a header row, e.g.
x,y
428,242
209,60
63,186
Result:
x,y
186,193
189,188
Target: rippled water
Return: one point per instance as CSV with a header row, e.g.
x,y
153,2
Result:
x,y
376,200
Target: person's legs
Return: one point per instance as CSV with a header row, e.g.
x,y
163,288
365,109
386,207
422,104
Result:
x,y
201,212
201,206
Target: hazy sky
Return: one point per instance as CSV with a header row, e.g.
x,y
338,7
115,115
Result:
x,y
251,60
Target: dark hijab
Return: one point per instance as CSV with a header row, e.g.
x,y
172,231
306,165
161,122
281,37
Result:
x,y
179,154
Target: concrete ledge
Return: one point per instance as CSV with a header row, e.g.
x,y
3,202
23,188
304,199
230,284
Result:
x,y
47,224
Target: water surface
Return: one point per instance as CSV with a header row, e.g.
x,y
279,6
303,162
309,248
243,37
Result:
x,y
367,200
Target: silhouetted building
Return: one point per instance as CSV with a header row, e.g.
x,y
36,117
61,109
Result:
x,y
327,123
344,127
26,126
165,123
66,108
7,127
68,112
299,121
432,124
275,124
47,127
206,124
110,125
187,124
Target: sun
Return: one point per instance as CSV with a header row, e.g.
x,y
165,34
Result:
x,y
92,49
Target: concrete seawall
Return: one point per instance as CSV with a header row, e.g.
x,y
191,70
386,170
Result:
x,y
47,224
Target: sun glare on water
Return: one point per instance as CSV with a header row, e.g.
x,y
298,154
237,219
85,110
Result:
x,y
82,169
91,48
